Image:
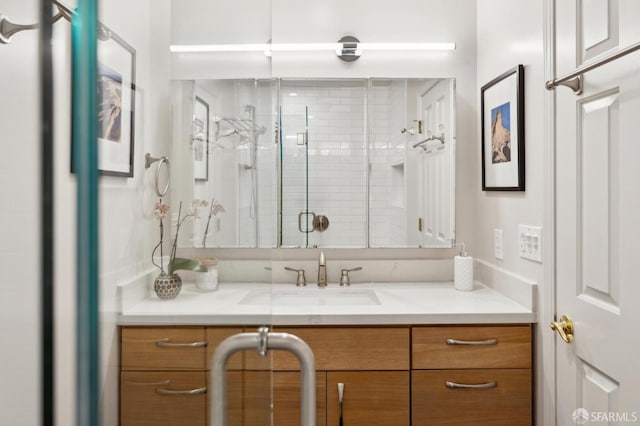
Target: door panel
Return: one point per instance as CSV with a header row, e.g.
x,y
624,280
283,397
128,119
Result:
x,y
370,398
435,160
286,398
597,207
598,27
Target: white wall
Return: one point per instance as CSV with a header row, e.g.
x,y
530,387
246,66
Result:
x,y
510,33
20,225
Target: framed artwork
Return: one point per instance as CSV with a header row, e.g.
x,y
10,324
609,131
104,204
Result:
x,y
502,126
201,140
116,105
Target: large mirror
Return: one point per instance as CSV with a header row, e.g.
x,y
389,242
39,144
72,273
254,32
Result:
x,y
316,162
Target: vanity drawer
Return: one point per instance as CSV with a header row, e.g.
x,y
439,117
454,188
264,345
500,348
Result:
x,y
471,347
505,399
348,348
163,398
164,348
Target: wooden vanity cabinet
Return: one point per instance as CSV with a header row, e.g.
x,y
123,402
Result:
x,y
286,398
394,375
371,398
372,363
478,375
165,373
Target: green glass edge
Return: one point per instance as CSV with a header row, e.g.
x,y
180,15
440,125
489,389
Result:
x,y
85,159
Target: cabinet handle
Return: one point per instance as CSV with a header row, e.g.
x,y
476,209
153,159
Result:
x,y
197,391
454,385
453,342
164,343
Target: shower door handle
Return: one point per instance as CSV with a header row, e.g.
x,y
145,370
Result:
x,y
313,218
263,341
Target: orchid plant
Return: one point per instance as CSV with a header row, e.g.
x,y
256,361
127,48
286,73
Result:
x,y
216,208
176,263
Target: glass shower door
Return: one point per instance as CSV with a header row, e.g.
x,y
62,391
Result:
x,y
324,163
297,220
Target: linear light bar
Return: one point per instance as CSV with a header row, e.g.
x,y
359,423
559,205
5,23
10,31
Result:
x,y
407,46
303,47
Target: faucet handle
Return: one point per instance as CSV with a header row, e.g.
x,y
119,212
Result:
x,y
301,280
344,276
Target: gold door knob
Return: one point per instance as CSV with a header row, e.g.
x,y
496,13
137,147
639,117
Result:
x,y
564,327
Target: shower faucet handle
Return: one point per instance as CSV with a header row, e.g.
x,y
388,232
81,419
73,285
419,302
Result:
x,y
301,280
344,276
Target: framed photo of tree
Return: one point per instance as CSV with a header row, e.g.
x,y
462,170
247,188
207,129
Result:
x,y
502,127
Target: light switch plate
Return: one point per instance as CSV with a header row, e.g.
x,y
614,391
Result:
x,y
498,244
530,242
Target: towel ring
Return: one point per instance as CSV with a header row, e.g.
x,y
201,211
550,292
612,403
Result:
x,y
148,161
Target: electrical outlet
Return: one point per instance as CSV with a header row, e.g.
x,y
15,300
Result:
x,y
498,244
530,242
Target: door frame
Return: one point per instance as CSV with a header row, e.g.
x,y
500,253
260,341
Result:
x,y
545,388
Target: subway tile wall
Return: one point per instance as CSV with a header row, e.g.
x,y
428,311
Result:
x,y
336,155
387,112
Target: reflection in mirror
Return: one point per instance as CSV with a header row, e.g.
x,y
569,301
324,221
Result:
x,y
323,163
316,163
234,170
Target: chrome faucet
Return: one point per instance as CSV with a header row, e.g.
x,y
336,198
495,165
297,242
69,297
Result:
x,y
322,271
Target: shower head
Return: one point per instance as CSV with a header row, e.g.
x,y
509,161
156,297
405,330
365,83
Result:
x,y
249,108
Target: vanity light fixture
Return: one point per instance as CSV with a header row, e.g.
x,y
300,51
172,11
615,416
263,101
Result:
x,y
347,46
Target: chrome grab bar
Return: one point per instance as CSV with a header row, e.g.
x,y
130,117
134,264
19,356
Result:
x,y
279,341
573,79
313,218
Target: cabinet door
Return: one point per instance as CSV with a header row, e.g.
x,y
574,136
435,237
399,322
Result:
x,y
506,399
163,398
286,398
371,398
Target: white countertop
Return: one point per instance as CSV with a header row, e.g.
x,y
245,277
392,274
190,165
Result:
x,y
286,304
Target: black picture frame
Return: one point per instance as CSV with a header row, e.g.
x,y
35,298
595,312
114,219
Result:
x,y
116,58
502,130
200,142
115,112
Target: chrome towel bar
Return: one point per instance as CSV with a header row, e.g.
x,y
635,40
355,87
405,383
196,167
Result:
x,y
573,80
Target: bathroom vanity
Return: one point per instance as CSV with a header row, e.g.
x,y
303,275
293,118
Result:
x,y
416,354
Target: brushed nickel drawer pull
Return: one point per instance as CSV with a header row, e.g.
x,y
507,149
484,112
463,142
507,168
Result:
x,y
164,343
197,391
454,385
453,342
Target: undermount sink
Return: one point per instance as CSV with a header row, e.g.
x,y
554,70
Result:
x,y
312,297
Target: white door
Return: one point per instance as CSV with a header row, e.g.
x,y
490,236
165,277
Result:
x,y
435,165
598,214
